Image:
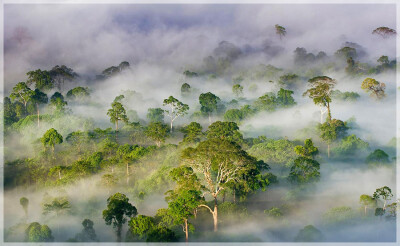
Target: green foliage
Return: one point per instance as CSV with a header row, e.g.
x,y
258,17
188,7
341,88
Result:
x,y
140,226
161,234
374,87
348,96
51,138
155,115
267,102
237,90
339,216
41,79
289,80
177,108
225,130
192,133
284,98
304,170
22,93
157,131
309,234
332,130
88,233
118,208
320,91
57,206
78,93
24,203
38,233
274,152
385,193
190,74
185,89
350,145
274,212
378,157
117,113
346,52
308,150
209,102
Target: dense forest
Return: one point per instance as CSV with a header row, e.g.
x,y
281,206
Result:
x,y
231,149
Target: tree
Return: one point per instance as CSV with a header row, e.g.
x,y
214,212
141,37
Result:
x,y
308,150
182,205
209,103
57,206
217,162
141,226
237,90
266,102
24,203
117,113
88,233
346,53
304,170
157,132
59,74
38,233
77,139
78,93
320,92
385,193
350,145
332,130
374,87
280,31
51,138
233,115
118,207
155,115
192,133
367,201
309,234
384,32
225,130
185,89
22,93
38,98
377,157
161,234
177,108
58,103
383,60
284,98
41,79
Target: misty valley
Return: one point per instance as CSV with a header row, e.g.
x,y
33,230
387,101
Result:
x,y
191,129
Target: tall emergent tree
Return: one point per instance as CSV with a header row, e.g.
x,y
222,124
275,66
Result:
x,y
38,233
177,108
374,87
280,31
217,162
38,98
21,92
209,104
320,92
117,113
51,138
118,208
182,206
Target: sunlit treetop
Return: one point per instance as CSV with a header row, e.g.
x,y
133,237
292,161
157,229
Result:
x,y
384,32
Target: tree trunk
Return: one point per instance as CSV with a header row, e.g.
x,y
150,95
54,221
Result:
x,y
223,198
127,173
186,231
59,174
38,114
209,118
329,112
365,210
171,125
329,150
116,125
215,215
234,195
119,230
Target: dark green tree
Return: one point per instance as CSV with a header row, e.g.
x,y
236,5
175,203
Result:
x,y
38,233
51,138
24,203
332,130
41,79
155,115
385,193
284,98
309,234
117,113
225,130
192,133
304,170
88,233
118,208
209,104
38,98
